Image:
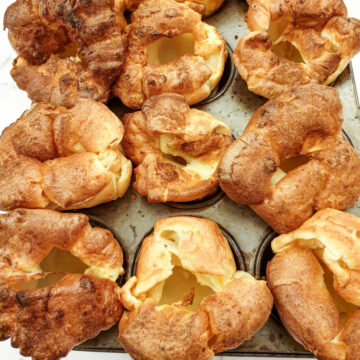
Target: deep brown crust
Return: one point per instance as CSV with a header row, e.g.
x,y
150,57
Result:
x,y
46,323
59,158
304,121
238,308
189,75
167,128
171,332
320,31
41,29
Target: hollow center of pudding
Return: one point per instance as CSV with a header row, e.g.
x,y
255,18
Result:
x,y
57,261
182,286
70,51
285,49
165,50
345,309
175,160
286,165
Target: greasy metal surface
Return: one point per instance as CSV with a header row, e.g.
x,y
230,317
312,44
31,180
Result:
x,y
131,220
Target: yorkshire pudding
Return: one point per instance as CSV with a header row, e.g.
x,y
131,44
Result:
x,y
57,284
291,159
52,157
169,49
295,42
67,49
187,300
315,280
176,149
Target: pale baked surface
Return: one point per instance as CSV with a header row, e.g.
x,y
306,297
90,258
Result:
x,y
165,130
319,31
64,159
40,30
237,308
192,75
304,121
321,314
47,322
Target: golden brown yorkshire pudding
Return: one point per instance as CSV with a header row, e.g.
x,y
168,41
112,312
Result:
x,y
176,149
52,157
67,49
187,300
169,49
291,159
315,280
57,281
295,42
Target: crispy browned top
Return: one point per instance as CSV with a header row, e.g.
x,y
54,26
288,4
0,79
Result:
x,y
191,75
47,322
165,130
304,121
318,29
320,311
59,158
238,308
40,28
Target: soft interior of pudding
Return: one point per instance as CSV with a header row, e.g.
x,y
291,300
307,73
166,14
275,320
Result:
x,y
57,261
182,287
344,308
286,165
164,50
285,49
277,27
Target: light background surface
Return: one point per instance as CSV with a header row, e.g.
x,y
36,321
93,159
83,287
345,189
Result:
x,y
13,102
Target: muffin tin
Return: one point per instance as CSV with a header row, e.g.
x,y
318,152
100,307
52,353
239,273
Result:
x,y
132,218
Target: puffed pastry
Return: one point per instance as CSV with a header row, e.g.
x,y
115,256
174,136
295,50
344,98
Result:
x,y
47,304
187,300
176,149
295,42
59,158
292,160
315,280
169,49
67,49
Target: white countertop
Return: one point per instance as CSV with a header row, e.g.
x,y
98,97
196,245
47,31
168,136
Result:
x,y
14,102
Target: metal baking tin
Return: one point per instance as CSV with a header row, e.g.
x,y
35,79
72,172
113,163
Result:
x,y
132,219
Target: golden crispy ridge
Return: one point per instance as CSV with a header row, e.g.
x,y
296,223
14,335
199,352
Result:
x,y
237,308
318,30
164,131
64,159
305,121
88,33
192,75
47,322
321,314
203,7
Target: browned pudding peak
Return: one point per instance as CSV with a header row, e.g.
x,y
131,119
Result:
x,y
59,158
315,280
291,159
187,300
57,281
67,49
295,42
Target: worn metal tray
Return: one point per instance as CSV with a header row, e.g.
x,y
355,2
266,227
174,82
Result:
x,y
132,217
